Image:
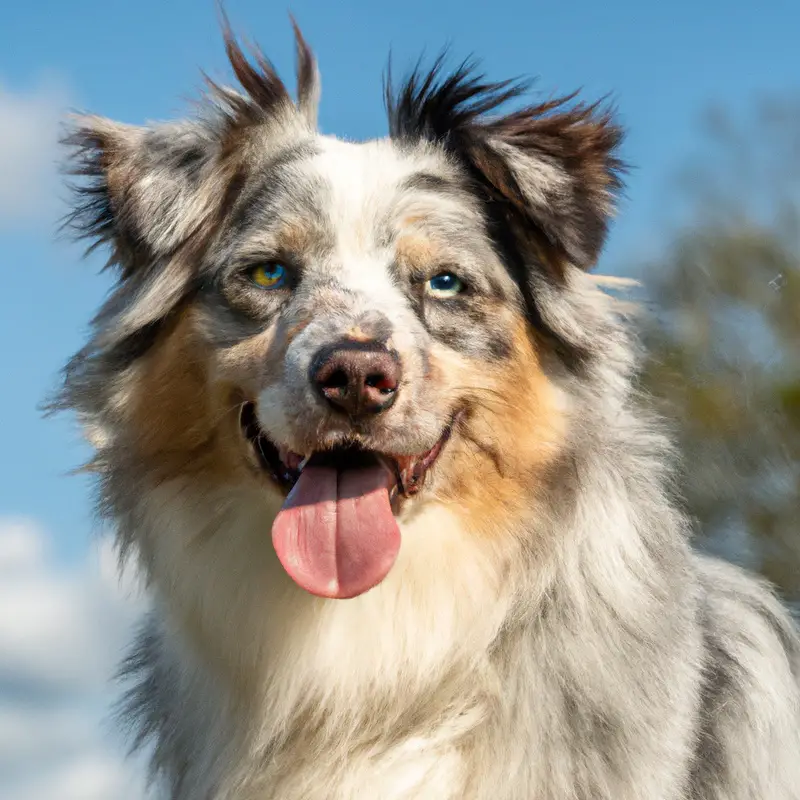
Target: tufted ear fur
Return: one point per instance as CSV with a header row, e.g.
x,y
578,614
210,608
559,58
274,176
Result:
x,y
154,195
144,189
548,172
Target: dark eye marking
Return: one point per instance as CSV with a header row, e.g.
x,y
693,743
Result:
x,y
428,182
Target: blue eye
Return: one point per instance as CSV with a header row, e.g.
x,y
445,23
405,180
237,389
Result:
x,y
444,285
269,276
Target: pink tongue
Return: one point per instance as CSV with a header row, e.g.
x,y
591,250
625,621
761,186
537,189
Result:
x,y
336,535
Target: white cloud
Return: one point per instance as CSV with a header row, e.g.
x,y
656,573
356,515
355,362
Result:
x,y
21,545
91,777
29,154
62,631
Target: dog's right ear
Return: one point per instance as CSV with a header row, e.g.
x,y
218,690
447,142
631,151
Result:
x,y
142,189
154,194
145,190
150,194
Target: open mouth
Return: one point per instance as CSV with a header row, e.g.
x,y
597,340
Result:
x,y
336,534
285,466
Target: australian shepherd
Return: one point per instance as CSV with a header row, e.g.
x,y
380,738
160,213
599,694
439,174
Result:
x,y
372,432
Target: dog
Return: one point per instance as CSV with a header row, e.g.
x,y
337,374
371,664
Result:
x,y
372,432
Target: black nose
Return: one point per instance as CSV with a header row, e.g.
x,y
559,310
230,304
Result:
x,y
356,378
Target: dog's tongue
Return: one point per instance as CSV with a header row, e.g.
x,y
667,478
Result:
x,y
336,534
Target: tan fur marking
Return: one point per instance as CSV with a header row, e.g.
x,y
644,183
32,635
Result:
x,y
296,330
357,334
417,251
513,431
297,237
181,413
248,361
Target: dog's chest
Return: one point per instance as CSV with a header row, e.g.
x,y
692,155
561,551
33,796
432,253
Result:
x,y
418,768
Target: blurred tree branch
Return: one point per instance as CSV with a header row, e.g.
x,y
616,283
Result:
x,y
724,338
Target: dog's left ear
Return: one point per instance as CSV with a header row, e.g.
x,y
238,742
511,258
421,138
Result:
x,y
556,169
549,173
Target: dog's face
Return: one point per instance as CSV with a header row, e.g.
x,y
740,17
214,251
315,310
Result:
x,y
359,310
348,279
356,331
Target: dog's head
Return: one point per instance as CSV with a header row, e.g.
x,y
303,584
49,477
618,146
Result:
x,y
355,331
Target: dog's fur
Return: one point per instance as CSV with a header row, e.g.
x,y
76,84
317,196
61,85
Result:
x,y
547,631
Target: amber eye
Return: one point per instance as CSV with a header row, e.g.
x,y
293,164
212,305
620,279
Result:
x,y
269,276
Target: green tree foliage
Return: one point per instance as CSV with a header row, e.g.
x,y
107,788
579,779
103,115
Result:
x,y
723,330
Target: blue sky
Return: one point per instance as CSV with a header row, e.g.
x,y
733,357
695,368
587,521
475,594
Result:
x,y
662,62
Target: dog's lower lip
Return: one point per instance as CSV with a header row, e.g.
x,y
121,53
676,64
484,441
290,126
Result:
x,y
267,453
284,466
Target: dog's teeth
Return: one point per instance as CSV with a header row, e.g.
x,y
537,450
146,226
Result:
x,y
291,460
